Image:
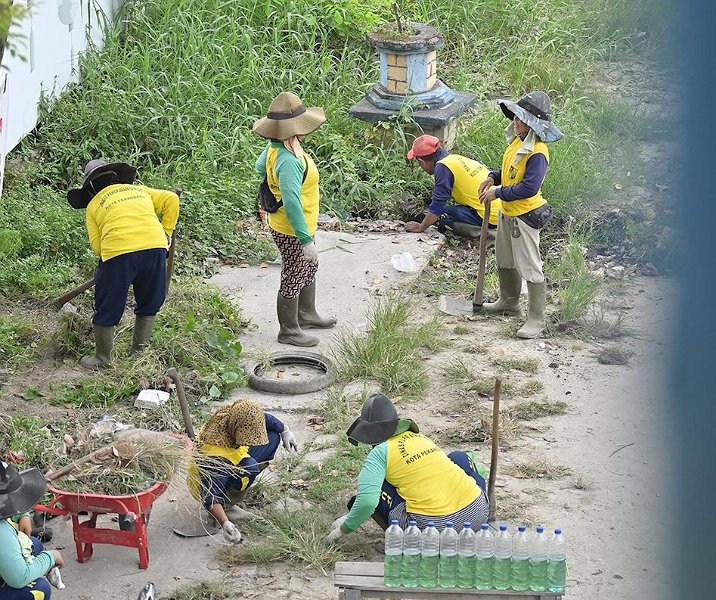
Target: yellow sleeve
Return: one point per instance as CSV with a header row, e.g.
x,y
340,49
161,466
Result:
x,y
93,232
166,203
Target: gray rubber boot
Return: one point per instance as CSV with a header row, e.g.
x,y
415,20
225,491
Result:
x,y
308,318
291,332
142,332
537,297
509,300
104,340
466,230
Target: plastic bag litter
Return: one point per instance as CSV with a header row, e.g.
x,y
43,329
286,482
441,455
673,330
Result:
x,y
404,262
106,425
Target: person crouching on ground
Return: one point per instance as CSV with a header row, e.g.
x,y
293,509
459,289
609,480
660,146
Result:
x,y
524,210
23,559
232,448
407,477
456,177
125,232
292,177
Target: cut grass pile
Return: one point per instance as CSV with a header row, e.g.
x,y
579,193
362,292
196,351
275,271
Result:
x,y
539,469
534,409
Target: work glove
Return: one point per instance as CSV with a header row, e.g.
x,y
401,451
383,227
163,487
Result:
x,y
289,440
334,535
310,252
231,533
55,578
339,521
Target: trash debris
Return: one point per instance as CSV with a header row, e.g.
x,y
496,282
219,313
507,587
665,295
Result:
x,y
405,263
151,399
107,425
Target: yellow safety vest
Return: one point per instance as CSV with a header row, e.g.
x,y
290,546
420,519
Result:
x,y
426,478
469,174
278,221
512,174
193,478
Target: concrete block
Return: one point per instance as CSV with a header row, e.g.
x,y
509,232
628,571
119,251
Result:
x,y
432,80
397,73
397,60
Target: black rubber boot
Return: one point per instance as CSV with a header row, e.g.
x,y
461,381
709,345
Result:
x,y
308,318
291,332
509,300
104,340
142,332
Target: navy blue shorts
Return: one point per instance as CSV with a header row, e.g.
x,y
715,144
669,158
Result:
x,y
144,270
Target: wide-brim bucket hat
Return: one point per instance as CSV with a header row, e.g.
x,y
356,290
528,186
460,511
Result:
x,y
80,197
19,491
377,422
287,117
534,110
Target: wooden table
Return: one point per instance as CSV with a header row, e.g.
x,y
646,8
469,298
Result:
x,y
357,580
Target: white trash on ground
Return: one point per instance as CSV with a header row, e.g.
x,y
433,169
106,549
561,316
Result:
x,y
405,263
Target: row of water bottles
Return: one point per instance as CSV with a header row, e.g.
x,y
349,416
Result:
x,y
474,560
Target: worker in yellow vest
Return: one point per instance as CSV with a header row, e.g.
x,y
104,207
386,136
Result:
x,y
407,477
524,211
456,177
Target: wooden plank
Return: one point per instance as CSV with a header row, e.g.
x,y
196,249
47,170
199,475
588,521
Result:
x,y
359,568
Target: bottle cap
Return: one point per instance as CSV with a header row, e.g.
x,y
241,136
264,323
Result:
x,y
467,525
503,526
431,524
485,526
449,524
412,523
558,531
521,527
394,521
540,529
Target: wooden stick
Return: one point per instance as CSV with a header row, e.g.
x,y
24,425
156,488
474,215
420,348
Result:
x,y
58,303
174,376
477,298
61,472
495,449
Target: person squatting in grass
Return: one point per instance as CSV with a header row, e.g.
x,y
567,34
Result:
x,y
406,476
125,232
23,560
292,177
232,448
456,177
524,211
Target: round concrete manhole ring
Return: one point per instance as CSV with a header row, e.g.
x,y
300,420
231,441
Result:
x,y
290,373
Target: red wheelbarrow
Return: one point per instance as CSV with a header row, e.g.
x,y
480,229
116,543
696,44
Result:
x,y
86,533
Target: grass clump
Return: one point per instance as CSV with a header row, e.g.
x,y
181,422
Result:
x,y
390,350
204,590
530,388
614,355
539,469
508,363
17,338
28,436
461,329
534,409
580,482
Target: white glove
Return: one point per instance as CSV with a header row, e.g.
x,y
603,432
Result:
x,y
289,440
55,578
231,532
339,521
310,252
334,535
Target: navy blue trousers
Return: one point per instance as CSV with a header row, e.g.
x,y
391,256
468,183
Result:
x,y
145,271
463,214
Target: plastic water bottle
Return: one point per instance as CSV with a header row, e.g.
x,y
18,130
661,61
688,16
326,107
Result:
x,y
412,539
503,559
539,554
448,556
520,569
429,557
557,564
485,558
466,557
393,554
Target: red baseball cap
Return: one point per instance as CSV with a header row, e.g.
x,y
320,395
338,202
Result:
x,y
424,145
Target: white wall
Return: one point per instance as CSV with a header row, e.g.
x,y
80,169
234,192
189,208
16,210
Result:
x,y
54,34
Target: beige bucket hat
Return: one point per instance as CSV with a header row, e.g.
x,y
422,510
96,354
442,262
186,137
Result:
x,y
287,116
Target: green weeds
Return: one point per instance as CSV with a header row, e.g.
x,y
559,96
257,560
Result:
x,y
534,409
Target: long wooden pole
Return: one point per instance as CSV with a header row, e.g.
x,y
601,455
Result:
x,y
174,376
477,298
495,449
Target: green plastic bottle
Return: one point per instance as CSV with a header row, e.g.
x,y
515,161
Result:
x,y
429,557
557,565
412,539
484,558
466,557
448,556
503,559
538,561
393,555
520,569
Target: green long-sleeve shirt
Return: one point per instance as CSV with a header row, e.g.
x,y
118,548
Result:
x,y
370,482
15,570
289,170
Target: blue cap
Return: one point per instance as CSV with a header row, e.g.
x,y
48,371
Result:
x,y
485,526
521,527
467,525
540,529
412,522
449,524
558,531
431,524
394,521
503,526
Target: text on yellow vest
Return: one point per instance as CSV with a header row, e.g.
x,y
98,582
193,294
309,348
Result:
x,y
469,174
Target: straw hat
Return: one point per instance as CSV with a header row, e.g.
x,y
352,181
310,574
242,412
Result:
x,y
80,197
287,116
535,111
19,492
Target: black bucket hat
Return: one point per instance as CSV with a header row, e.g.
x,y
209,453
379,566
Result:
x,y
535,111
80,197
19,492
377,422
